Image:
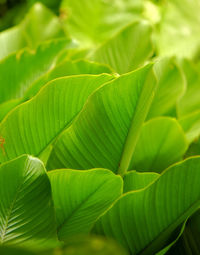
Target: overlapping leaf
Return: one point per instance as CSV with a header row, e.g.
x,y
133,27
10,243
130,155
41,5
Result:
x,y
32,126
171,86
190,102
189,241
80,197
105,133
161,143
191,125
27,66
39,25
134,180
26,207
107,18
66,68
143,221
128,49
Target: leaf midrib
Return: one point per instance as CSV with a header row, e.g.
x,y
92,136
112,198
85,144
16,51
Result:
x,y
79,207
11,207
134,130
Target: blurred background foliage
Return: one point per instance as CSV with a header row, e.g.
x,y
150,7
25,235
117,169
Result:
x,y
13,11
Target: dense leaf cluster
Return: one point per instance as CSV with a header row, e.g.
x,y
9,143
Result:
x,y
100,127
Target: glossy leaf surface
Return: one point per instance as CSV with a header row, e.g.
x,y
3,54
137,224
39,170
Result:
x,y
161,143
27,132
105,133
80,197
128,49
26,207
149,217
134,180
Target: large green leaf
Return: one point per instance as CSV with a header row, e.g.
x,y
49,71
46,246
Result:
x,y
161,143
66,68
178,29
56,105
105,133
134,180
98,20
128,49
190,102
26,207
80,197
191,125
171,85
143,221
39,25
27,66
7,106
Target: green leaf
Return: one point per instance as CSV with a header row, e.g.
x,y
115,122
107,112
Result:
x,y
27,132
194,149
27,66
80,197
171,86
191,125
105,133
26,208
11,40
161,143
8,106
107,17
144,221
189,241
178,28
134,180
39,25
190,102
128,49
68,68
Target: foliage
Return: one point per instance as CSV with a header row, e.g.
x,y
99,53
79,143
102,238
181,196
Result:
x,y
99,127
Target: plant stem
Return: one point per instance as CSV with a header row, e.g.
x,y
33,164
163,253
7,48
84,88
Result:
x,y
139,116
